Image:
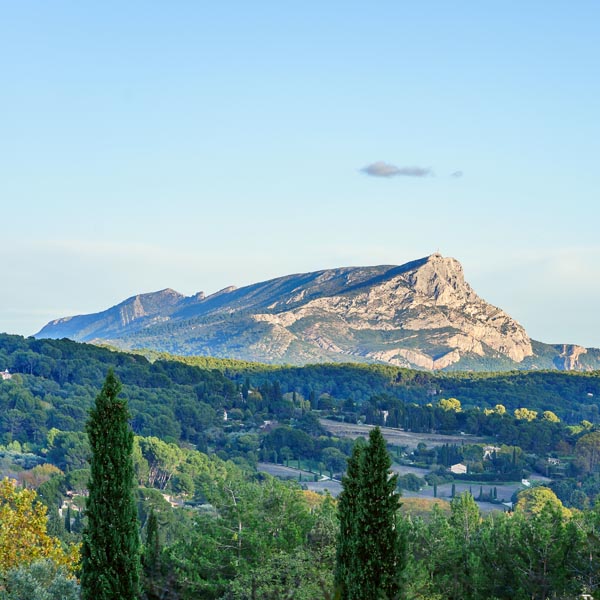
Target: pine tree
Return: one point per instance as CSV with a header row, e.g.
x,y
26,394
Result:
x,y
370,555
111,545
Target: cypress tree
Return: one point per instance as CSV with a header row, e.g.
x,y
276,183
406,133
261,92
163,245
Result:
x,y
68,519
369,553
378,540
78,524
110,567
348,517
151,563
152,550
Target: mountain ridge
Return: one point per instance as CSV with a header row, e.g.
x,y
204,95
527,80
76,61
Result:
x,y
420,314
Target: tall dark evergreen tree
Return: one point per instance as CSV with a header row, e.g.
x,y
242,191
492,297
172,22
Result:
x,y
370,552
346,555
152,550
151,563
111,544
68,519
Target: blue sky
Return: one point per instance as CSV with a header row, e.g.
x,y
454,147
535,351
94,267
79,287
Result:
x,y
197,145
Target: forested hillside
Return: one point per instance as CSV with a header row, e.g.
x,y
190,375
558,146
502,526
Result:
x,y
225,530
55,382
251,412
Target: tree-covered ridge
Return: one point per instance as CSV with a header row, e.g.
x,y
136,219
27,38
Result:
x,y
551,389
70,363
224,408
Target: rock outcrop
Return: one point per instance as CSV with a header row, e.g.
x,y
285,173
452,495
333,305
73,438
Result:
x,y
568,359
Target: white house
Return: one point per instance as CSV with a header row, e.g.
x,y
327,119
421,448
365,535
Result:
x,y
458,468
5,375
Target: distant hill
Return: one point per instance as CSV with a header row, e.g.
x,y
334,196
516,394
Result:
x,y
422,314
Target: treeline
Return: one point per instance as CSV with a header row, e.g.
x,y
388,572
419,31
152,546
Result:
x,y
56,382
532,431
572,396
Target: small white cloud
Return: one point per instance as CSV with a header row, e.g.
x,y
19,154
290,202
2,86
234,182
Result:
x,y
383,169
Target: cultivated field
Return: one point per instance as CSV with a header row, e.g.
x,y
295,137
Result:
x,y
397,437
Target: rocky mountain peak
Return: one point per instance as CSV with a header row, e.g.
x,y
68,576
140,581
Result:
x,y
419,314
440,279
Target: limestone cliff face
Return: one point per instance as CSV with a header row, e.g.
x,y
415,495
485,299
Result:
x,y
430,299
421,314
147,305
